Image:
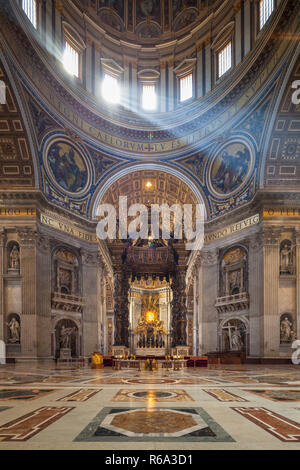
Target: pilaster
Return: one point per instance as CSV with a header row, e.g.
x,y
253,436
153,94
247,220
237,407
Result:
x,y
208,65
255,273
199,67
238,32
88,67
247,26
90,266
28,262
209,320
43,298
171,90
271,333
2,251
297,260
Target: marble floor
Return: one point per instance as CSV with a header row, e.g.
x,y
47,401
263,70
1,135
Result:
x,y
223,407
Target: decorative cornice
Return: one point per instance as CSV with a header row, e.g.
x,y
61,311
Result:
x,y
208,258
271,235
43,243
2,236
27,237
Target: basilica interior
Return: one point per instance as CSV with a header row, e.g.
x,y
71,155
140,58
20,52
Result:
x,y
149,103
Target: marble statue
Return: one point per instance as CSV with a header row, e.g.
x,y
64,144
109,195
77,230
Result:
x,y
285,258
14,258
65,336
14,330
236,340
286,332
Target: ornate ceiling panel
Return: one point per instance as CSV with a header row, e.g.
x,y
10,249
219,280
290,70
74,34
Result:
x,y
282,168
16,167
147,20
150,186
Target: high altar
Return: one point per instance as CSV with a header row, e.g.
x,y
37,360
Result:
x,y
150,332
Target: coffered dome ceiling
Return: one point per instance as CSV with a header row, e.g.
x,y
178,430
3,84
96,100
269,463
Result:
x,y
148,21
220,147
150,186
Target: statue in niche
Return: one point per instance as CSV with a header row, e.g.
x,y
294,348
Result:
x,y
14,330
286,257
286,330
234,335
236,340
65,336
14,258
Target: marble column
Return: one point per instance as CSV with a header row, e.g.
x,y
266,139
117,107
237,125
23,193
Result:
x,y
199,83
126,83
163,88
208,76
255,281
200,300
43,299
28,263
171,85
121,309
88,67
238,31
98,72
58,25
179,310
297,261
2,312
271,329
49,27
247,25
90,267
195,311
135,102
210,275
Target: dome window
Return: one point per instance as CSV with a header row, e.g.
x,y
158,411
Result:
x,y
186,87
30,9
149,98
185,79
111,81
71,59
111,89
73,50
224,59
266,8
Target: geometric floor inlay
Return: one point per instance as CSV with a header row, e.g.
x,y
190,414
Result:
x,y
23,428
80,395
152,381
153,424
23,394
223,395
279,426
277,395
152,396
3,408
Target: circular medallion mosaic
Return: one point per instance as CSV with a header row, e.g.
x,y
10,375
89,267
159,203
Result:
x,y
230,168
151,381
152,394
67,167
